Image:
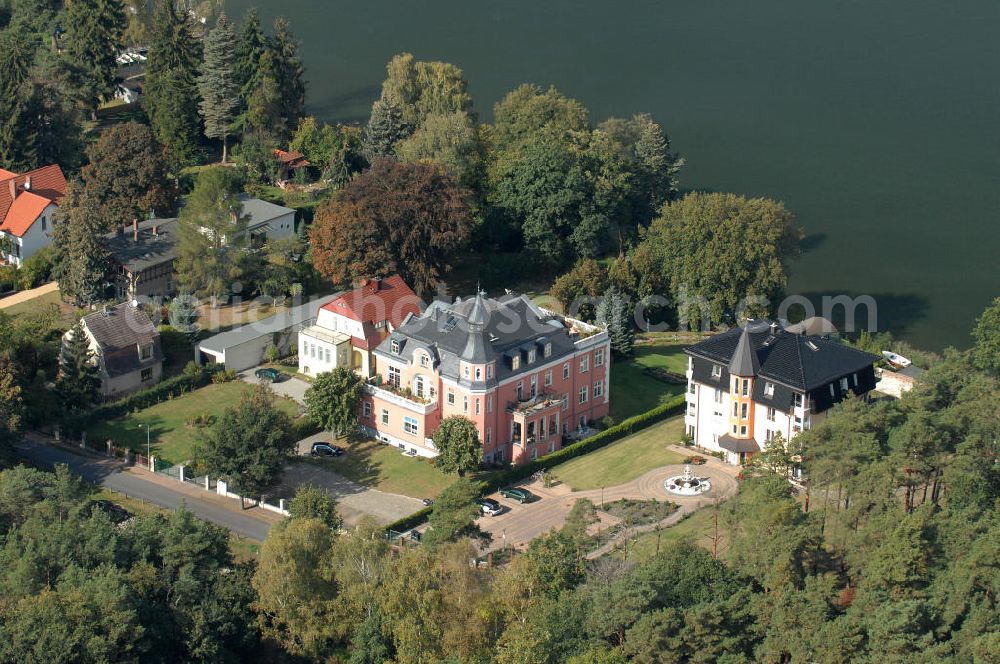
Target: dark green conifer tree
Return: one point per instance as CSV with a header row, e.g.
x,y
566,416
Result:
x,y
220,94
79,380
94,31
385,128
171,91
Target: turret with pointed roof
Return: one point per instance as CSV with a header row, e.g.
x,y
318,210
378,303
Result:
x,y
744,361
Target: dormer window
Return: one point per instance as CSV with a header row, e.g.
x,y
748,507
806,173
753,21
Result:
x,y
515,362
424,360
145,351
394,346
479,373
547,351
531,356
769,389
843,384
489,371
716,371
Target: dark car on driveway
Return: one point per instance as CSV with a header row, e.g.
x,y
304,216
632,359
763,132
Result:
x,y
517,493
326,449
267,374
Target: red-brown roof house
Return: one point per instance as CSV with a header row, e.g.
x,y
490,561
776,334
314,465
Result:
x,y
350,326
28,202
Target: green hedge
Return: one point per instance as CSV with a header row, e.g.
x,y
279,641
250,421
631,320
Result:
x,y
162,391
407,522
506,477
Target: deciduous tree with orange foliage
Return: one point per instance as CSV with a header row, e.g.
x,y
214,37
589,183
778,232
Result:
x,y
394,218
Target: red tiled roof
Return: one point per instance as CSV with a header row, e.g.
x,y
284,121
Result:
x,y
47,184
291,158
23,212
392,300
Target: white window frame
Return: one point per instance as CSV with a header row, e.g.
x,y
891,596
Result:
x,y
584,394
548,378
566,371
585,364
385,417
599,389
410,425
716,371
769,389
599,357
394,346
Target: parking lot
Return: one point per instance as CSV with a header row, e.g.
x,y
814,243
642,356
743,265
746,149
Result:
x,y
353,500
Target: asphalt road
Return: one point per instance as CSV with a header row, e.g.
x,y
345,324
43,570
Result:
x,y
113,475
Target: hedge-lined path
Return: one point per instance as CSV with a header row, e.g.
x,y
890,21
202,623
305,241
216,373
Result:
x,y
519,524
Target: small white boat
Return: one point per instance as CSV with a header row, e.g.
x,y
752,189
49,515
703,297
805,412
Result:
x,y
895,359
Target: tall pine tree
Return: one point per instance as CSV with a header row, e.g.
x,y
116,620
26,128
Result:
x,y
264,113
289,73
249,47
79,380
615,311
94,32
81,261
171,91
385,128
220,94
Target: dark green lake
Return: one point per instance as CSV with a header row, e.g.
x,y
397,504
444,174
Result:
x,y
876,121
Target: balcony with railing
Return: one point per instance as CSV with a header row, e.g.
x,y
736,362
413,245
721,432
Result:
x,y
535,405
401,396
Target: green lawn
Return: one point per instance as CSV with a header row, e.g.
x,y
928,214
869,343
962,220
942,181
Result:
x,y
699,528
385,468
36,304
625,459
632,390
172,440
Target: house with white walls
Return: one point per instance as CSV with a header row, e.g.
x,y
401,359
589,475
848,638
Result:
x,y
28,203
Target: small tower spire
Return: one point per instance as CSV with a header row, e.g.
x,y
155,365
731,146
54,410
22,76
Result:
x,y
744,361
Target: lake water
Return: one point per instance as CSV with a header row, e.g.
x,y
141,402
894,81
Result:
x,y
876,121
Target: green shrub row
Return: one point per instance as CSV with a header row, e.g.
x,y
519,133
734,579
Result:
x,y
165,389
518,473
411,521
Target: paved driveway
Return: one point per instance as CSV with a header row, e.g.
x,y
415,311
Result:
x,y
519,524
291,387
353,500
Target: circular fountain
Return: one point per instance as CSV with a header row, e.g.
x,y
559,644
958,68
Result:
x,y
687,484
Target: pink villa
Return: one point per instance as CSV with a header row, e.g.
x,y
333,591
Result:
x,y
527,377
